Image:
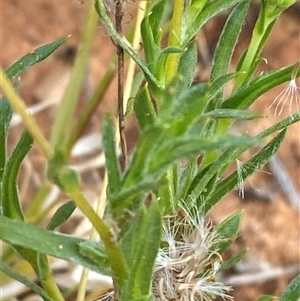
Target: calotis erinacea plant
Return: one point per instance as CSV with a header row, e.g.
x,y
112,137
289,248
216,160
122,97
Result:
x,y
155,240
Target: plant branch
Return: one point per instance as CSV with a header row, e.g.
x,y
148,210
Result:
x,y
174,40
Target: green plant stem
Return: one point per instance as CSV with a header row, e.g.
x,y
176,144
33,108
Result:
x,y
51,288
259,37
114,253
20,107
173,62
174,40
66,110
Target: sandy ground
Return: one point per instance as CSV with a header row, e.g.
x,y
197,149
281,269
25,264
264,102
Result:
x,y
270,227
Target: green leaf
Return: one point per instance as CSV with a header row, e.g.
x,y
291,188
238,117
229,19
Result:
x,y
5,118
187,65
96,253
198,180
185,178
216,86
292,292
245,96
183,109
61,215
255,163
226,113
228,40
20,278
19,233
112,164
266,298
228,231
257,59
280,125
228,156
194,9
233,261
10,199
30,59
155,18
144,109
150,163
195,22
140,248
151,34
191,145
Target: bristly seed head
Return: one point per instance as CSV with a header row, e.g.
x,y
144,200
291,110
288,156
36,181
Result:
x,y
185,269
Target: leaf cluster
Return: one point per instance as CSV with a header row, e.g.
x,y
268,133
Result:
x,y
182,153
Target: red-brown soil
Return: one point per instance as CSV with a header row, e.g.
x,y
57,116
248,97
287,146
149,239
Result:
x,y
270,226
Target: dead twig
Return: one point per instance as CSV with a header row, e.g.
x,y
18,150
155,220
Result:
x,y
120,53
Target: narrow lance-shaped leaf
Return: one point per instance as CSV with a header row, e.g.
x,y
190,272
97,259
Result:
x,y
58,245
244,97
228,40
10,200
224,160
32,58
193,25
5,118
255,163
144,109
249,71
61,215
232,261
280,125
292,292
151,34
226,113
10,203
186,176
148,170
187,65
228,231
20,278
96,253
112,164
141,247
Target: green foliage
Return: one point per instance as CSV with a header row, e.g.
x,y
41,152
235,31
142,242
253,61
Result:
x,y
5,117
140,246
228,230
179,161
13,274
61,215
292,292
32,58
19,233
9,191
233,261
